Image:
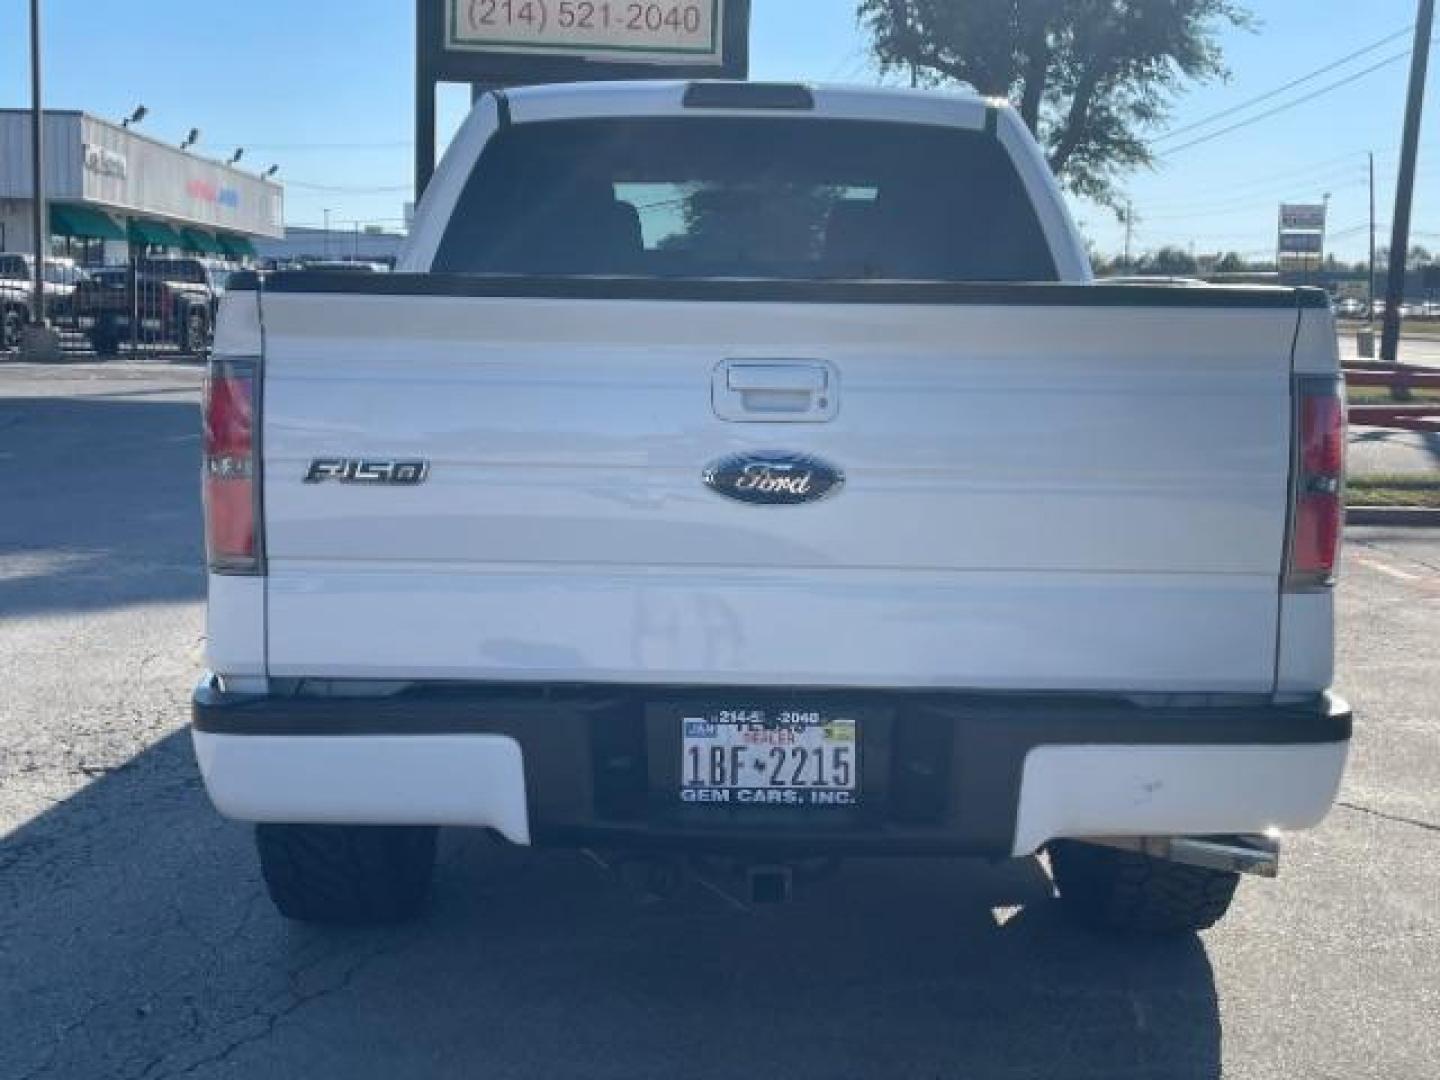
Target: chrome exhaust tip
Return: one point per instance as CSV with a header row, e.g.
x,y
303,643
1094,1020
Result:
x,y
1257,855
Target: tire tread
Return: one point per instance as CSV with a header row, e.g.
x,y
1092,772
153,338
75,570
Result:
x,y
1133,893
351,875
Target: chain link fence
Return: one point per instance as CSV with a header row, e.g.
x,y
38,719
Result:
x,y
149,307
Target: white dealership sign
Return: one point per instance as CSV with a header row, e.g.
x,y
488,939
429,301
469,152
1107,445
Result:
x,y
106,162
1302,231
630,31
1302,217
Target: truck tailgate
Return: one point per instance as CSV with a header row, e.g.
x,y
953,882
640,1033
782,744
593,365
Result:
x,y
1037,495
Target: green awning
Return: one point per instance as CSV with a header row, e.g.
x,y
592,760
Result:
x,y
153,232
238,246
202,242
83,222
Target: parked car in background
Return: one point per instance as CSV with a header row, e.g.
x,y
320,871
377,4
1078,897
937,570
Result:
x,y
1149,280
347,266
1350,308
175,300
62,277
15,299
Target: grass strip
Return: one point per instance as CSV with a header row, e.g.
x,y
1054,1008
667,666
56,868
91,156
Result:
x,y
1395,489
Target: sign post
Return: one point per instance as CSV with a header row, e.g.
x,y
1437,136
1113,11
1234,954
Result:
x,y
494,43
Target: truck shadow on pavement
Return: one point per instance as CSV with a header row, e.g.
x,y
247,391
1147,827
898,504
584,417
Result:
x,y
1373,441
135,941
99,502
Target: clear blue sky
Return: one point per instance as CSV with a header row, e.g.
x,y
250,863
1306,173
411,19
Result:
x,y
323,88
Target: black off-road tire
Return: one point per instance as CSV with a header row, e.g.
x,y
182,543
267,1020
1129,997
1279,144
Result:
x,y
105,338
1130,893
195,332
347,874
12,325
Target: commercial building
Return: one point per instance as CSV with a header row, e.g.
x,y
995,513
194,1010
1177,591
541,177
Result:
x,y
114,191
302,244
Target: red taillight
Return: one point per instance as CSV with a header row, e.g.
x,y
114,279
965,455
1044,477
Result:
x,y
231,463
1322,433
1317,516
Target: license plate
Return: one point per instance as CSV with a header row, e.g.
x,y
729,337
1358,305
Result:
x,y
770,757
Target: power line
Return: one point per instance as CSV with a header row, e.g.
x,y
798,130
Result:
x,y
1269,94
1353,230
1257,184
340,189
1328,181
1312,177
293,147
1356,77
1267,179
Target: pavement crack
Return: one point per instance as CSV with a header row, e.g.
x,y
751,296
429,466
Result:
x,y
1398,818
269,1021
1401,556
61,1037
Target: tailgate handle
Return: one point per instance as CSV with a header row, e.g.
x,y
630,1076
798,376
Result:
x,y
792,379
776,390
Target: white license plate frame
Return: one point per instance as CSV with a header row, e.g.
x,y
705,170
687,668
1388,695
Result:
x,y
783,757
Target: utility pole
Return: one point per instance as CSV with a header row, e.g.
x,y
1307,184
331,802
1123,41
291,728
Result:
x,y
40,342
1365,339
1405,188
1371,297
1324,234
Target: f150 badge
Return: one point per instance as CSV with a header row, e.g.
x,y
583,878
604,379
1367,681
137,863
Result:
x,y
367,471
774,479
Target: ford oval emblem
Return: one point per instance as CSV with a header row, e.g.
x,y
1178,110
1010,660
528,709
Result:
x,y
774,479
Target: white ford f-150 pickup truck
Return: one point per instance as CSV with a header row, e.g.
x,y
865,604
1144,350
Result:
x,y
755,471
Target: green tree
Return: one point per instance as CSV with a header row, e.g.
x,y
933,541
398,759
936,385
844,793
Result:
x,y
1090,77
750,222
1231,262
1168,262
1419,256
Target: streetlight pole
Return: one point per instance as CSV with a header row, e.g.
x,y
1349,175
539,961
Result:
x,y
40,342
1405,189
39,215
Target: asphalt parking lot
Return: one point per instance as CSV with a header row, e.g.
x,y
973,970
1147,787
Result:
x,y
135,941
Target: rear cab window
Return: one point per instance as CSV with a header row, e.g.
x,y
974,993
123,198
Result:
x,y
766,198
